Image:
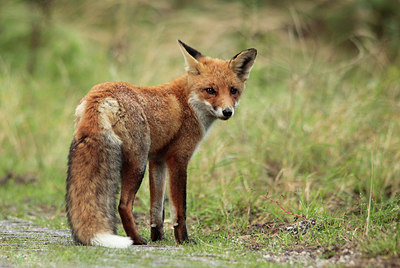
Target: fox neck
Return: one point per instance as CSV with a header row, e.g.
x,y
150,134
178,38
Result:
x,y
205,118
198,106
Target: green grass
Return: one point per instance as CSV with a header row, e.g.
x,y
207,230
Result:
x,y
317,129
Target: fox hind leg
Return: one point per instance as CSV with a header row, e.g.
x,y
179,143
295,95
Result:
x,y
132,176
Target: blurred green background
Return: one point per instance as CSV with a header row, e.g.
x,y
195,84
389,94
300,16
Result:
x,y
318,127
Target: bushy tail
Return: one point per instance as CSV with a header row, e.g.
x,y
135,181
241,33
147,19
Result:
x,y
94,169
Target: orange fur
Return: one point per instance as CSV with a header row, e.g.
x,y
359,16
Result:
x,y
120,127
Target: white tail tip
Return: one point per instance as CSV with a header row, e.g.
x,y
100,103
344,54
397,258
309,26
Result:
x,y
111,241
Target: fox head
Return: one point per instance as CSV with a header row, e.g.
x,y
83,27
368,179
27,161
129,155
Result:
x,y
215,85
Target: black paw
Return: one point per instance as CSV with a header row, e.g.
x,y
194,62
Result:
x,y
157,234
139,241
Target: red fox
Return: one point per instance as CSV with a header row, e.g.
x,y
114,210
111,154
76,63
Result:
x,y
120,127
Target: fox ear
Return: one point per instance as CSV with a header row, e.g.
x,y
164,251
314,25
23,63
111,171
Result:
x,y
191,55
242,63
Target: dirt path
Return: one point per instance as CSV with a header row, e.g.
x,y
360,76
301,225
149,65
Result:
x,y
24,236
17,235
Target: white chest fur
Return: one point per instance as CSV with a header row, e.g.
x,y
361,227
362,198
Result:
x,y
201,108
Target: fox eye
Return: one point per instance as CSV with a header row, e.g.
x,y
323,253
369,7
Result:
x,y
210,91
233,90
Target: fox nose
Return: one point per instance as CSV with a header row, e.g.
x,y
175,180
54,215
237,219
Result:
x,y
227,113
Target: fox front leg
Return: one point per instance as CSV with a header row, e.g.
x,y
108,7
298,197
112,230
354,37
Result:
x,y
157,170
178,179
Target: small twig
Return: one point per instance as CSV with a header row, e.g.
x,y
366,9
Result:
x,y
288,212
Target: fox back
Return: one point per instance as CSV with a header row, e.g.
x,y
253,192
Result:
x,y
120,128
